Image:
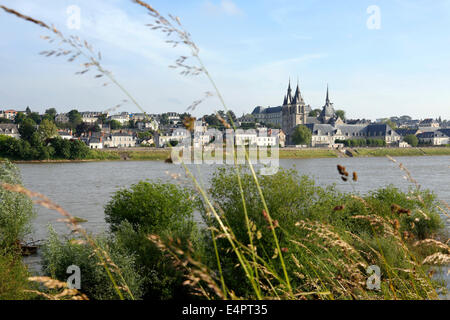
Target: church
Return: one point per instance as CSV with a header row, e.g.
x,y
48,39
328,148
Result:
x,y
294,111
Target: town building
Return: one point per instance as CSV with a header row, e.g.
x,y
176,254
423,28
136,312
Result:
x,y
62,118
9,114
65,135
90,117
119,140
325,135
122,118
436,138
429,123
10,130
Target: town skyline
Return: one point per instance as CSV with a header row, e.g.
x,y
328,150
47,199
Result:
x,y
397,69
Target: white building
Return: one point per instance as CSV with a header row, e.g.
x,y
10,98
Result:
x,y
95,143
123,118
65,135
90,117
120,140
436,138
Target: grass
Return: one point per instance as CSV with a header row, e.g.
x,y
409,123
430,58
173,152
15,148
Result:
x,y
401,152
157,154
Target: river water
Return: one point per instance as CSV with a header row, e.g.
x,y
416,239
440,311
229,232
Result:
x,y
83,189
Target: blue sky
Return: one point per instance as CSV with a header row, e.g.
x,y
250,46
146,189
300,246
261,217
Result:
x,y
250,47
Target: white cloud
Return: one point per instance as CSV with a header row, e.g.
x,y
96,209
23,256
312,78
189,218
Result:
x,y
227,7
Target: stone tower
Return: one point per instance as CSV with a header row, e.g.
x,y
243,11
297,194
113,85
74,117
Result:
x,y
294,111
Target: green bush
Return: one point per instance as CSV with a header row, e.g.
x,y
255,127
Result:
x,y
58,254
412,140
16,210
16,213
13,278
159,209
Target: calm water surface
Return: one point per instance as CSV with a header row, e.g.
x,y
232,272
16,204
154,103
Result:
x,y
83,189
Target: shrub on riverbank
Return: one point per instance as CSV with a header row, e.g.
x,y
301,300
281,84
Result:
x,y
146,208
16,213
328,238
38,149
58,254
13,277
16,210
154,208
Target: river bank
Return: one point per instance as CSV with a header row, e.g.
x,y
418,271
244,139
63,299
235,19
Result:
x,y
156,154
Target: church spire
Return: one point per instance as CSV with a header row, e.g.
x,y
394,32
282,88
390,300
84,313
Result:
x,y
327,101
298,96
289,93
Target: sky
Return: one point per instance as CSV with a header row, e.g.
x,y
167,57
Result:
x,y
380,58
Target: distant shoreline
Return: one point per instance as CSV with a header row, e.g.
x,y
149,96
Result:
x,y
154,154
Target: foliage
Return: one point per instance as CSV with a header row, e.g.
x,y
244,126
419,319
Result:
x,y
74,118
391,124
38,149
16,210
47,129
13,278
412,140
16,213
114,124
314,113
325,234
58,254
154,208
302,135
341,114
27,128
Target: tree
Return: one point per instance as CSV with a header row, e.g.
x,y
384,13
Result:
x,y
114,124
411,140
391,124
62,148
78,150
340,114
82,128
232,116
102,119
47,129
35,117
74,118
27,128
51,113
301,135
20,118
164,119
314,113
